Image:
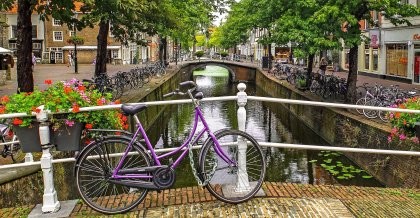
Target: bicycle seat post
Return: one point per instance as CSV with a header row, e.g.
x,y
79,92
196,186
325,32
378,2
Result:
x,y
136,118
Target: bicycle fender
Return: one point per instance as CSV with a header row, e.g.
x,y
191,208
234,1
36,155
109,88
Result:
x,y
122,138
207,141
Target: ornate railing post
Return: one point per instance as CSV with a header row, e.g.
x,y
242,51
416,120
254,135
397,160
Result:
x,y
242,183
50,203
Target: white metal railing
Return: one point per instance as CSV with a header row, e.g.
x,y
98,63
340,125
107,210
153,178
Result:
x,y
51,204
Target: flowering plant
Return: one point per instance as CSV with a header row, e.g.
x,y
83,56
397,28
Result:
x,y
403,124
65,98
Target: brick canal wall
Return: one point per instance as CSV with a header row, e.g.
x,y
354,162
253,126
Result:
x,y
342,128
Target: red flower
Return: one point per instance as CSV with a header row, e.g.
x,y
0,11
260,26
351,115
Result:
x,y
75,108
48,81
2,109
124,118
81,88
88,126
67,90
118,101
125,126
17,121
36,110
4,99
99,102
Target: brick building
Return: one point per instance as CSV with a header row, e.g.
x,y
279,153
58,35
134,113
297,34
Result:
x,y
50,41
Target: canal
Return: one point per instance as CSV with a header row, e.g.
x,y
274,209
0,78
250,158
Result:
x,y
265,121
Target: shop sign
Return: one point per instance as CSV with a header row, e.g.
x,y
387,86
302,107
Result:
x,y
374,38
416,36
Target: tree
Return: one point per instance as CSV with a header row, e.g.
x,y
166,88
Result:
x,y
61,9
347,14
296,25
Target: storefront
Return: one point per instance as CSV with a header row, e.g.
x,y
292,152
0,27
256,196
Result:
x,y
401,53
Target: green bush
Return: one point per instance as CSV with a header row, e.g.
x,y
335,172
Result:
x,y
199,54
224,54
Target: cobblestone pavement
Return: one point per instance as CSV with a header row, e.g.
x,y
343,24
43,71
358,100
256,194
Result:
x,y
281,200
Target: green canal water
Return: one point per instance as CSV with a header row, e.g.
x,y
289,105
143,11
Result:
x,y
265,121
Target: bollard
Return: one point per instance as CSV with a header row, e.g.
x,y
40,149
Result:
x,y
50,203
29,157
242,183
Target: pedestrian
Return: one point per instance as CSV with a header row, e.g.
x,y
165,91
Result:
x,y
252,58
70,57
323,66
33,61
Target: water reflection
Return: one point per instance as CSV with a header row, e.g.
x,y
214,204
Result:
x,y
265,121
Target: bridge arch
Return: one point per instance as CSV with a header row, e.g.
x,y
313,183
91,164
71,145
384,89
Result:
x,y
232,76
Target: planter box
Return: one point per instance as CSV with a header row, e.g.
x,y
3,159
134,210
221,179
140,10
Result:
x,y
68,138
28,138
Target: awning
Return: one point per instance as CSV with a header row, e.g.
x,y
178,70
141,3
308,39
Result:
x,y
90,47
5,51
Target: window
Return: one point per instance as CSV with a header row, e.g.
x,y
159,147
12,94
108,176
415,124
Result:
x,y
396,59
57,36
72,33
375,59
12,46
34,31
59,56
14,31
367,56
36,45
114,54
56,22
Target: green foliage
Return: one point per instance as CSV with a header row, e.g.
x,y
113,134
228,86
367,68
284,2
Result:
x,y
201,40
65,98
199,54
223,54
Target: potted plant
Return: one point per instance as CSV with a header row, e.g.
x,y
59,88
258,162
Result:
x,y
65,99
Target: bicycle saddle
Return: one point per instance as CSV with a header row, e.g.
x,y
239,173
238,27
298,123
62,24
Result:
x,y
199,95
132,109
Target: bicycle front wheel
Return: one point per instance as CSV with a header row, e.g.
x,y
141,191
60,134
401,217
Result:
x,y
238,181
93,174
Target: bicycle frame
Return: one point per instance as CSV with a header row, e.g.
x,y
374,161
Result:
x,y
190,140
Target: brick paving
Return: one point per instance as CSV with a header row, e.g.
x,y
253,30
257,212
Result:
x,y
281,200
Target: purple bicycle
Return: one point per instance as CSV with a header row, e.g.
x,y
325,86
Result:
x,y
114,173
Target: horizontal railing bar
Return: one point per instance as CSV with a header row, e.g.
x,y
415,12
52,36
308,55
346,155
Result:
x,y
328,104
342,149
72,159
118,106
264,144
9,143
229,98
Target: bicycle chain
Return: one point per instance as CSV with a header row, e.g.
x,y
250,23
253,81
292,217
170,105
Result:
x,y
194,170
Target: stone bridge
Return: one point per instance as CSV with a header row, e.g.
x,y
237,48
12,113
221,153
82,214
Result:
x,y
238,71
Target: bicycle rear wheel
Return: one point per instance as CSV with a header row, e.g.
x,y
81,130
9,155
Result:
x,y
94,169
233,183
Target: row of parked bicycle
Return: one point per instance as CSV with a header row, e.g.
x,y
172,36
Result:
x,y
331,87
121,81
327,86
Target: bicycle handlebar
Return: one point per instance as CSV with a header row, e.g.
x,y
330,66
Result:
x,y
183,84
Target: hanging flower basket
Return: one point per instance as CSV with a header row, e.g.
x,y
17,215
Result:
x,y
68,137
28,137
76,40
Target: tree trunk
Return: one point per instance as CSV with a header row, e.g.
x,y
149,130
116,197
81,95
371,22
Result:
x,y
352,76
161,50
311,58
270,59
165,50
24,68
101,55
